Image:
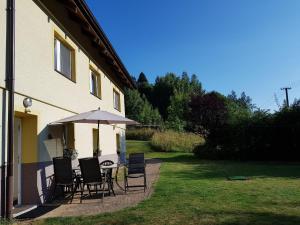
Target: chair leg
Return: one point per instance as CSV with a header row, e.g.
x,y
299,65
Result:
x,y
125,184
103,190
73,192
54,192
63,191
81,192
88,186
112,187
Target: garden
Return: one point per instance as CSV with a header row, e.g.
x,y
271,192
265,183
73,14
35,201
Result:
x,y
225,161
194,191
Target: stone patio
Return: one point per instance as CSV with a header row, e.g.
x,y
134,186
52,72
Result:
x,y
94,205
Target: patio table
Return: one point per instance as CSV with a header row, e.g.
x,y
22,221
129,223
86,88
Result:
x,y
106,171
77,173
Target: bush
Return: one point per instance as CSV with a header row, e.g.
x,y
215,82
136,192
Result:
x,y
170,141
262,137
142,134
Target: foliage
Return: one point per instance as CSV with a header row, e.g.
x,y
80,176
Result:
x,y
177,111
144,134
170,141
207,111
166,87
70,153
134,104
243,101
144,87
192,191
169,94
263,136
139,109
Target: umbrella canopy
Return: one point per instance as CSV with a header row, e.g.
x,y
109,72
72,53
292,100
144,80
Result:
x,y
97,116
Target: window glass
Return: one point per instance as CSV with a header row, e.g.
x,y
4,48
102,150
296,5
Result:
x,y
95,84
62,59
116,99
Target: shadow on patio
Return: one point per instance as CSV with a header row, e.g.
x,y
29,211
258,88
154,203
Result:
x,y
61,207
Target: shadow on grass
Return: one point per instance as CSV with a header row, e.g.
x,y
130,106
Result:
x,y
201,218
205,169
246,218
265,218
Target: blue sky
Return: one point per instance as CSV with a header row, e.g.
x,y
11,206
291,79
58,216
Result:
x,y
241,45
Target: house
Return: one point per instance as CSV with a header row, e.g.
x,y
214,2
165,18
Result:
x,y
64,65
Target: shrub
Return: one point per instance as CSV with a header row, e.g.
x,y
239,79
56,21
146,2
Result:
x,y
262,137
142,134
170,141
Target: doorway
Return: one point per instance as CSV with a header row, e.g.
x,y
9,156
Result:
x,y
95,142
17,160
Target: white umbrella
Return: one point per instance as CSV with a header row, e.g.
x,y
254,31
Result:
x,y
98,117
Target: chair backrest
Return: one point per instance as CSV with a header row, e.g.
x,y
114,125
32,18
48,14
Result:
x,y
136,163
90,170
136,158
63,173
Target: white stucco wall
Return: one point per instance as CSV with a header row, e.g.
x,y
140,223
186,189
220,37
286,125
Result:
x,y
54,96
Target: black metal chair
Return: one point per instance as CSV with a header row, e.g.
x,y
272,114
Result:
x,y
135,168
91,175
64,176
109,175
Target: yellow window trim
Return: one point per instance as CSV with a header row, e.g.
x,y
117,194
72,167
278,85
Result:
x,y
94,71
73,58
119,106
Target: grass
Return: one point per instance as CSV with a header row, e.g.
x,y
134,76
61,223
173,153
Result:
x,y
171,141
191,191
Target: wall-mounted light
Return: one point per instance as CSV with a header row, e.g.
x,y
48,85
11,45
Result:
x,y
27,102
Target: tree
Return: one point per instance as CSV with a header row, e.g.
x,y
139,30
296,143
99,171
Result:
x,y
243,101
133,104
167,86
139,109
163,89
177,111
144,87
142,78
207,112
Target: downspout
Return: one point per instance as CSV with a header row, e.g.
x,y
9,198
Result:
x,y
10,84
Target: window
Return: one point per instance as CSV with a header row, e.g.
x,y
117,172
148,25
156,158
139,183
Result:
x,y
64,59
95,84
95,141
116,96
69,136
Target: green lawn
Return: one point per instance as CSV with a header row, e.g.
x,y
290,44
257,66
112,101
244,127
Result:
x,y
191,191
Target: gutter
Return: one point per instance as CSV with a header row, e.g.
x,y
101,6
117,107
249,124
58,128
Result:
x,y
10,84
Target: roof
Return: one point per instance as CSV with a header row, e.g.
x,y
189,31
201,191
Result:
x,y
79,12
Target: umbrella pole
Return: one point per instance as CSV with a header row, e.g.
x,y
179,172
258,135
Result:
x,y
98,140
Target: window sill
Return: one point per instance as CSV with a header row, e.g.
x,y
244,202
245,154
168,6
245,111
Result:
x,y
119,110
99,97
74,81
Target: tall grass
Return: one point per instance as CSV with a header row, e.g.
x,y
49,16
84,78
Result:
x,y
141,134
171,141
